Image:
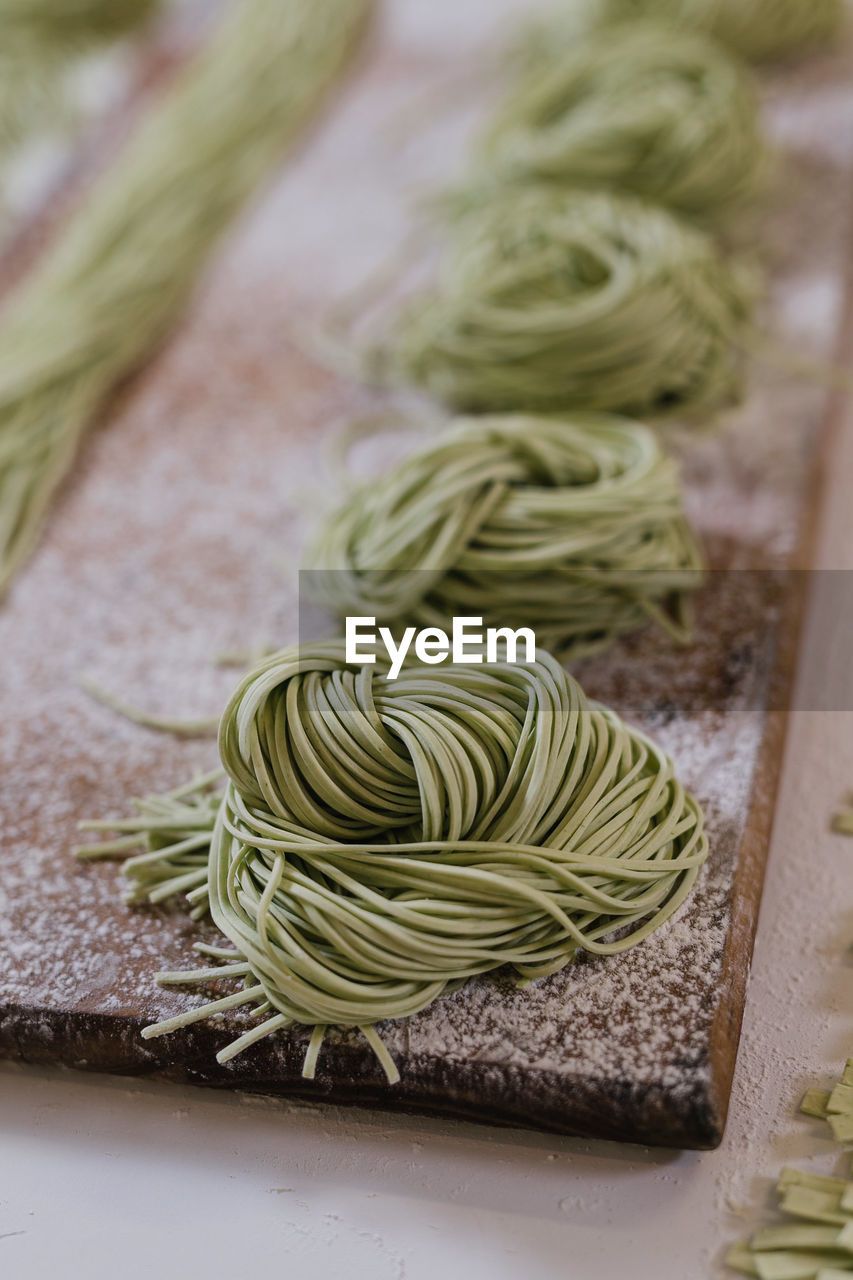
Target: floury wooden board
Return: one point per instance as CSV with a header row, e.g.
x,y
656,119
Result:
x,y
173,542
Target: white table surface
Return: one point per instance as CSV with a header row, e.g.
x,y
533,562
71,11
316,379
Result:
x,y
103,1178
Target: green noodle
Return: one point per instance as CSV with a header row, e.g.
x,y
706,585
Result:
x,y
818,1238
640,107
573,526
39,40
120,273
380,842
553,299
756,29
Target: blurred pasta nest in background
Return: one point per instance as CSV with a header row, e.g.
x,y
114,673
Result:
x,y
664,113
573,526
756,29
548,299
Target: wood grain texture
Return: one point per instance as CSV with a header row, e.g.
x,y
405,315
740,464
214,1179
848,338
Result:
x,y
175,541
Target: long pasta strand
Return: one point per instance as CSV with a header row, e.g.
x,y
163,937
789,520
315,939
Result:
x,y
121,272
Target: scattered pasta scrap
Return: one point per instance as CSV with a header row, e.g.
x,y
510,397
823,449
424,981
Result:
x,y
842,822
818,1244
836,1107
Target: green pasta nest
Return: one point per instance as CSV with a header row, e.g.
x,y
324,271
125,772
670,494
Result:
x,y
380,842
551,299
574,527
640,107
756,29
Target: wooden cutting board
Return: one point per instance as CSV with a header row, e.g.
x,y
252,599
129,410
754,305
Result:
x,y
175,539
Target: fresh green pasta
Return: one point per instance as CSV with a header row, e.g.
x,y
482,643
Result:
x,y
818,1238
30,90
815,1239
574,527
836,1108
553,299
380,842
640,107
39,40
842,821
68,20
756,29
117,278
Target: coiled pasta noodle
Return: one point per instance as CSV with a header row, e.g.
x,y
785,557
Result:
x,y
554,299
574,527
380,842
668,115
756,29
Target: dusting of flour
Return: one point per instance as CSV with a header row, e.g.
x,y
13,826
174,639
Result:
x,y
175,539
